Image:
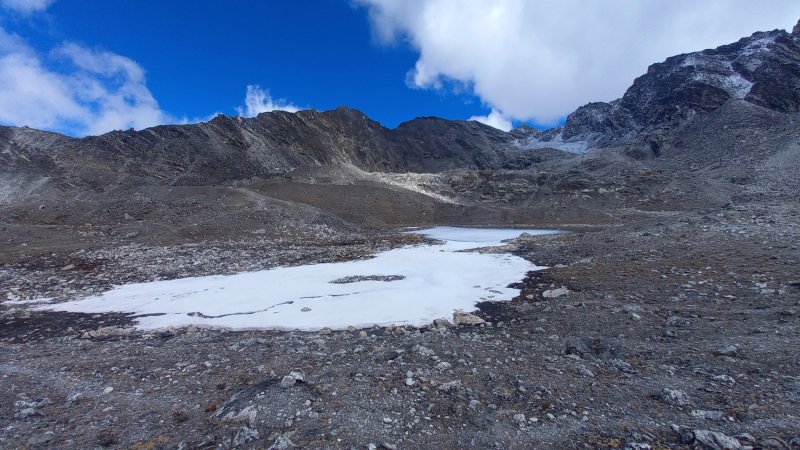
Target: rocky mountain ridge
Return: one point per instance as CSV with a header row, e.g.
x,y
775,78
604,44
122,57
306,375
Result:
x,y
232,148
763,69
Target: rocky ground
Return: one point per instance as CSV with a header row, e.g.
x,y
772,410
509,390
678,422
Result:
x,y
665,330
74,275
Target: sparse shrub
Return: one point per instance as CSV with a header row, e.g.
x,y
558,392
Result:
x,y
106,438
179,416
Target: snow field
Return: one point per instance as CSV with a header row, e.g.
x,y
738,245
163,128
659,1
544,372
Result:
x,y
438,280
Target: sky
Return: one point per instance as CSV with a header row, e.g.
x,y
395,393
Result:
x,y
84,67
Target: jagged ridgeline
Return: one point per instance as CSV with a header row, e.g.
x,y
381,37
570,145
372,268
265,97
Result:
x,y
756,77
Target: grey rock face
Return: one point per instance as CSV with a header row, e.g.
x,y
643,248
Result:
x,y
763,69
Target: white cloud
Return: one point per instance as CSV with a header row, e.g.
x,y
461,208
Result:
x,y
186,120
539,60
494,119
258,101
26,6
93,92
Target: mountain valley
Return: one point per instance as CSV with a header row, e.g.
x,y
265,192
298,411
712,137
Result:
x,y
667,316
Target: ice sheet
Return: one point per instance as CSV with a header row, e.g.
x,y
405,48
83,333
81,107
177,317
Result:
x,y
438,280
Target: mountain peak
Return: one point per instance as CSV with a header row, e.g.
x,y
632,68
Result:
x,y
796,29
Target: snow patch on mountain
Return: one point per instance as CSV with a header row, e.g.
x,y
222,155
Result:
x,y
556,142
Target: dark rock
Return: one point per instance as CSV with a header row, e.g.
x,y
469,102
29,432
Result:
x,y
674,397
676,321
357,278
41,439
595,348
480,420
389,355
715,441
772,443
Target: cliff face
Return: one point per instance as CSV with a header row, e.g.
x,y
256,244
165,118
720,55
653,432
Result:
x,y
763,69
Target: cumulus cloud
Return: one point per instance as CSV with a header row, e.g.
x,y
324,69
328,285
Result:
x,y
74,90
538,60
494,119
258,101
186,120
26,6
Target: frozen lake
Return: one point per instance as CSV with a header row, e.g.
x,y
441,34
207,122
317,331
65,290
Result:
x,y
412,285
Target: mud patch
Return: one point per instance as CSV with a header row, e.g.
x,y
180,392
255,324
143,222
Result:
x,y
20,326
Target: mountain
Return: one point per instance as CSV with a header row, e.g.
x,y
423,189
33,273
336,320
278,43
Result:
x,y
691,122
763,69
231,148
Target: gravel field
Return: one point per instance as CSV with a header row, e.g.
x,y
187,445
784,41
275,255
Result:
x,y
671,330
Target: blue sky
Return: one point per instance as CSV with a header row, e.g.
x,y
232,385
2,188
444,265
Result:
x,y
201,55
86,67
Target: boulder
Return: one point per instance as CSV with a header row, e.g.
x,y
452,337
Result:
x,y
462,318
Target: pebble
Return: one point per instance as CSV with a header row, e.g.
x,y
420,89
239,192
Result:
x,y
449,386
245,435
729,350
25,413
724,379
41,439
74,397
715,440
675,397
282,443
442,323
288,381
706,415
554,293
460,317
676,322
298,375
